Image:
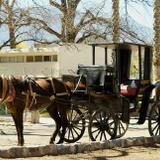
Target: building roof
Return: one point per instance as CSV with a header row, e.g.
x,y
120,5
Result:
x,y
29,51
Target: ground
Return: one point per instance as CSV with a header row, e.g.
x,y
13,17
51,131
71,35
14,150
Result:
x,y
131,153
39,134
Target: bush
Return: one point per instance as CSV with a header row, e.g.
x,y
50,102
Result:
x,y
3,109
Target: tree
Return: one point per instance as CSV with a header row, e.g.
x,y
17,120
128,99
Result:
x,y
75,26
156,44
61,21
115,21
14,20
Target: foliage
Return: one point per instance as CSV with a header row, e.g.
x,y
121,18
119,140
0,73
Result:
x,y
3,109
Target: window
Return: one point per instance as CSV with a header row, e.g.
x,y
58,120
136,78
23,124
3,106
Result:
x,y
20,59
38,58
47,58
11,59
54,58
4,59
29,59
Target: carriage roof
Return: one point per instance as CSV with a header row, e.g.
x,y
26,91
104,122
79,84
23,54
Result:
x,y
120,44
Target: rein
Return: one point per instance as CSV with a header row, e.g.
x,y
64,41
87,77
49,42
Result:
x,y
77,84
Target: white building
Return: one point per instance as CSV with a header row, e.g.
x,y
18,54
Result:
x,y
53,61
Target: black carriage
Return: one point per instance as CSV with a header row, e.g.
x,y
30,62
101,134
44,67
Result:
x,y
104,96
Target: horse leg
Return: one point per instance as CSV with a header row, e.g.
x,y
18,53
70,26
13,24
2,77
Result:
x,y
64,120
52,110
17,115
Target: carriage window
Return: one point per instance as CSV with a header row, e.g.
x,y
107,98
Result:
x,y
110,57
38,58
142,63
47,58
54,58
134,67
29,59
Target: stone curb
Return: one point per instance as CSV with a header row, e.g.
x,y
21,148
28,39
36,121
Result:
x,y
38,151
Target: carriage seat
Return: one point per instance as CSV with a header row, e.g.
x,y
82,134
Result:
x,y
95,75
129,89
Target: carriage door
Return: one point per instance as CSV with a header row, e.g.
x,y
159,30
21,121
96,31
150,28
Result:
x,y
124,64
147,63
146,56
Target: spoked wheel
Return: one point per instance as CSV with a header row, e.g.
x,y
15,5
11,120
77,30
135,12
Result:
x,y
76,125
121,126
154,119
102,126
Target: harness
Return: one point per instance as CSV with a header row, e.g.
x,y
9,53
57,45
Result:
x,y
8,90
58,97
9,93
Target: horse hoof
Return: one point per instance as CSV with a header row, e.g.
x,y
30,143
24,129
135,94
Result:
x,y
51,142
60,142
19,144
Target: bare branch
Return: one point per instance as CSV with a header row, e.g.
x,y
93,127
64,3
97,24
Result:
x,y
46,27
57,5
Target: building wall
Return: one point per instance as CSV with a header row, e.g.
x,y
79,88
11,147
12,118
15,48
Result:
x,y
34,69
10,64
72,55
69,56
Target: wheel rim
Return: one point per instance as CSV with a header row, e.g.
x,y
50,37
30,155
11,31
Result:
x,y
101,126
121,127
154,120
76,125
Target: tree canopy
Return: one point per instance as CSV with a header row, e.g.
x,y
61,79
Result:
x,y
60,21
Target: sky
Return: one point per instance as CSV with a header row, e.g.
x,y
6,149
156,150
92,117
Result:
x,y
141,13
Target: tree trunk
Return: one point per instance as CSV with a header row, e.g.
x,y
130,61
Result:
x,y
12,38
32,116
11,27
0,3
156,44
35,116
115,21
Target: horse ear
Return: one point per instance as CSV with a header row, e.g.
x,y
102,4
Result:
x,y
2,75
9,77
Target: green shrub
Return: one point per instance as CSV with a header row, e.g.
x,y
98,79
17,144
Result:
x,y
3,109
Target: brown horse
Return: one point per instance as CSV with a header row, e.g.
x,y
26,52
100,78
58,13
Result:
x,y
20,94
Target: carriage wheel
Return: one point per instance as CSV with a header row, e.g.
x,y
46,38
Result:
x,y
76,125
154,119
121,126
102,126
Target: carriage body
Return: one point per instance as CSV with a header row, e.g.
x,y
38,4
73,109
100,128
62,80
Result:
x,y
116,87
